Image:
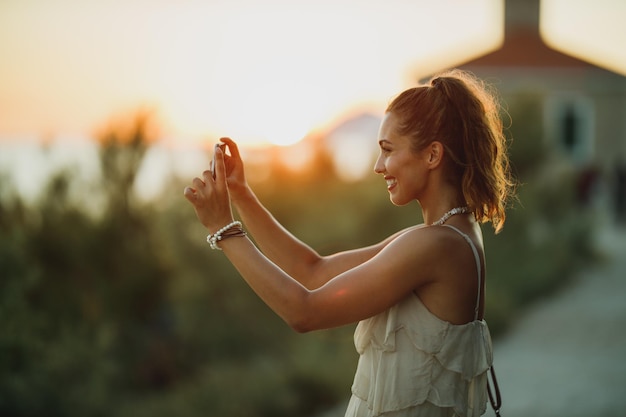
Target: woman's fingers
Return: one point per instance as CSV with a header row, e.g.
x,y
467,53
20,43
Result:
x,y
207,176
220,168
209,196
198,183
232,147
190,193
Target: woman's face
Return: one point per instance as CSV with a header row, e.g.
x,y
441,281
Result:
x,y
405,171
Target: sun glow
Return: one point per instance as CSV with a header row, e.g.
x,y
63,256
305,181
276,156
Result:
x,y
275,76
602,41
261,72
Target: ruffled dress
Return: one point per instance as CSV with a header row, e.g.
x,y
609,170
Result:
x,y
412,363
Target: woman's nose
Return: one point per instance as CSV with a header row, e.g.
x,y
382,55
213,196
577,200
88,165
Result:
x,y
379,167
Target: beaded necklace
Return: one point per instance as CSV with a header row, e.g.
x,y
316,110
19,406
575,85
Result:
x,y
447,215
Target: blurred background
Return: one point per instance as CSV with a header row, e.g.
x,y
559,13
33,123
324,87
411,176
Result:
x,y
111,303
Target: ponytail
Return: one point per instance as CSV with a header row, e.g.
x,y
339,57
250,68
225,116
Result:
x,y
459,111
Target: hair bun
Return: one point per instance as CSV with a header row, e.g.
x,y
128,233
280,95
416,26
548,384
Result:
x,y
436,82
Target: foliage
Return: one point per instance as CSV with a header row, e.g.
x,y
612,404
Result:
x,y
548,234
125,312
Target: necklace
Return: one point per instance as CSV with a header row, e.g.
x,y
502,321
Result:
x,y
447,215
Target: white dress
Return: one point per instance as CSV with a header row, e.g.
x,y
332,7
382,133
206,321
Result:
x,y
414,364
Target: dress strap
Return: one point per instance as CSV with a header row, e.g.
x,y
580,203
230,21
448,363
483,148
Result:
x,y
478,266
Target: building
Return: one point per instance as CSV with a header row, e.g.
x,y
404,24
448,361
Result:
x,y
582,106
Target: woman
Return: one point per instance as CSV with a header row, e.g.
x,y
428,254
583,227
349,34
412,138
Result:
x,y
418,295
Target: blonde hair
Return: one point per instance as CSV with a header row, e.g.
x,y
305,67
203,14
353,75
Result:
x,y
460,111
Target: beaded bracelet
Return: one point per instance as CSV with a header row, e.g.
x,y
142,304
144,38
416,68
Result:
x,y
233,229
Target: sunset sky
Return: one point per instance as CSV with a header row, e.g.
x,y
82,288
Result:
x,y
257,70
260,71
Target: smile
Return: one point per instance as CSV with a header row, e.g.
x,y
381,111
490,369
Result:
x,y
391,182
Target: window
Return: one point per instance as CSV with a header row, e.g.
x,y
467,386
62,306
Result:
x,y
569,120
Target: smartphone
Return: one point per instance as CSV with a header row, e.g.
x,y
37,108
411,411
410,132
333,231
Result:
x,y
217,145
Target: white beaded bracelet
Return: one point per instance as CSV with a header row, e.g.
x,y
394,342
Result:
x,y
212,239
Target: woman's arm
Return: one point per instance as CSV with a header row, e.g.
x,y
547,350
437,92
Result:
x,y
292,255
402,265
355,294
296,258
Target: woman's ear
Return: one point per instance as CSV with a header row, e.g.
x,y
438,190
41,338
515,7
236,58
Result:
x,y
435,154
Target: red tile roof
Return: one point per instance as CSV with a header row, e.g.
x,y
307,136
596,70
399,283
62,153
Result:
x,y
525,48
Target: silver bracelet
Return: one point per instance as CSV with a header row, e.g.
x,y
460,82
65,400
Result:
x,y
212,239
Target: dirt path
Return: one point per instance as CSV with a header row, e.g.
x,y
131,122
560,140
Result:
x,y
567,356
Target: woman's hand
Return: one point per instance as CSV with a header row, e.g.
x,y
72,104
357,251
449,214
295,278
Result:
x,y
210,197
235,176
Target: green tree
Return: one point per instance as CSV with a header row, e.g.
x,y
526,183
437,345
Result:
x,y
82,296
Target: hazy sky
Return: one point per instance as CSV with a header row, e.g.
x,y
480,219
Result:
x,y
269,70
252,69
591,30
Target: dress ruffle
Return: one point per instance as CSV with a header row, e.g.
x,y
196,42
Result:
x,y
409,357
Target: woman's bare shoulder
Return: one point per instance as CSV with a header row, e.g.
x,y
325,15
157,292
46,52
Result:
x,y
430,245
